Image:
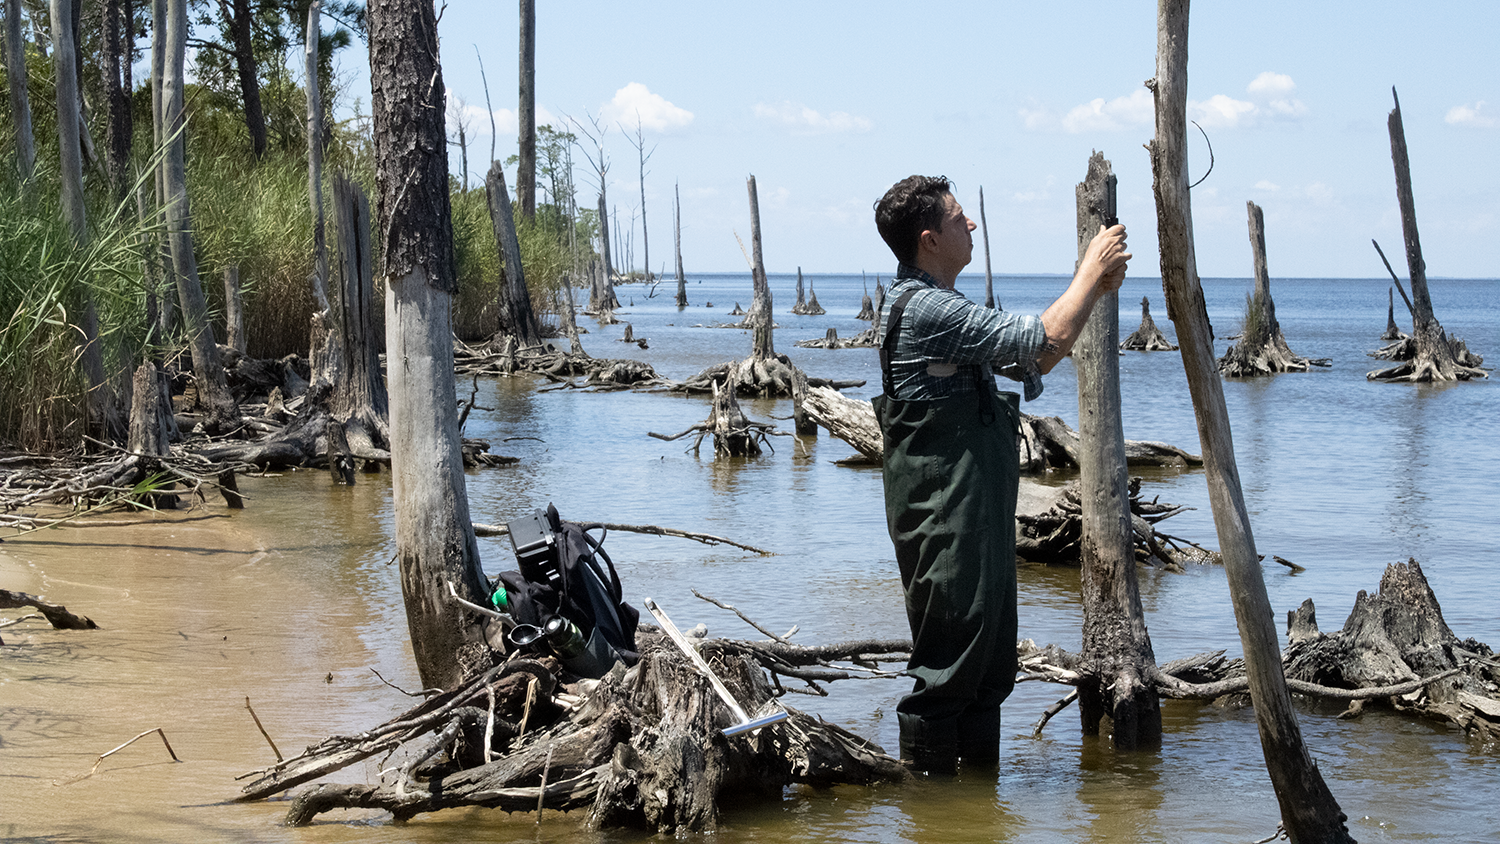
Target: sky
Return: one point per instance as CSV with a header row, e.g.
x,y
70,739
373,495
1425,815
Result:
x,y
829,103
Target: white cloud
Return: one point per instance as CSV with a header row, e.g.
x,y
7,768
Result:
x,y
1098,115
635,101
1222,112
1270,84
806,119
1267,185
1035,119
1469,115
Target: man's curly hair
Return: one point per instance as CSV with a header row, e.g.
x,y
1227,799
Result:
x,y
913,205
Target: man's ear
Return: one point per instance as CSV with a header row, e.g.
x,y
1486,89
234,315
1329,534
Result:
x,y
927,238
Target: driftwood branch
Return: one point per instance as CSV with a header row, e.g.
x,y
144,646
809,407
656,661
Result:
x,y
653,530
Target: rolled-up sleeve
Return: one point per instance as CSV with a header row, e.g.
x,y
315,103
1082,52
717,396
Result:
x,y
959,331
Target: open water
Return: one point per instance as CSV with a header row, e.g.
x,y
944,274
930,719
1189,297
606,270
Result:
x,y
294,601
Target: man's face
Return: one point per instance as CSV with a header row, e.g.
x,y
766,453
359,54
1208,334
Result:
x,y
953,246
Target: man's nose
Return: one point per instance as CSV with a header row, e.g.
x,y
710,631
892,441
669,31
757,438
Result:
x,y
970,221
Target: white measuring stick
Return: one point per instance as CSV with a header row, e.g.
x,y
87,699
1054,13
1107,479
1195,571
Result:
x,y
745,723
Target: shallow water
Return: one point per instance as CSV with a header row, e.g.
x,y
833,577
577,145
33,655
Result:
x,y
293,601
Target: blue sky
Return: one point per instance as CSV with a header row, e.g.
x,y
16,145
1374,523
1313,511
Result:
x,y
827,104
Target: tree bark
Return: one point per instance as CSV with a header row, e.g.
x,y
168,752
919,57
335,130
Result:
x,y
221,413
434,536
1116,697
315,154
234,311
516,319
526,113
603,297
116,95
677,231
240,14
989,280
158,139
20,100
759,320
1309,811
359,402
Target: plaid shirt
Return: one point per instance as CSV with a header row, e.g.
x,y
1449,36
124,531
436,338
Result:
x,y
941,332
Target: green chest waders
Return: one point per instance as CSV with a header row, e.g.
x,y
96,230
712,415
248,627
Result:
x,y
951,473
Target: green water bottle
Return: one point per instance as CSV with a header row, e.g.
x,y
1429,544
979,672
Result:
x,y
500,599
564,638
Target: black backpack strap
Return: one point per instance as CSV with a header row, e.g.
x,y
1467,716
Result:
x,y
888,348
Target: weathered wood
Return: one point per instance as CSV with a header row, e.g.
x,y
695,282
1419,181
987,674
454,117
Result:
x,y
759,320
801,295
516,318
234,310
850,420
220,412
602,297
1309,811
56,614
1115,696
20,101
1435,355
813,308
984,230
1392,331
435,543
312,36
150,417
682,300
1261,348
360,402
1147,338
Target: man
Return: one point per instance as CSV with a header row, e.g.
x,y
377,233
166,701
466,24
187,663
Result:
x,y
951,464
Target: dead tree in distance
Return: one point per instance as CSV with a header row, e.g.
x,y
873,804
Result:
x,y
1392,331
677,230
1147,338
526,113
989,278
1437,356
20,102
1309,812
1116,696
642,156
434,536
1261,349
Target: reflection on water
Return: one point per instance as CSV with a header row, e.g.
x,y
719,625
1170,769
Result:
x,y
293,601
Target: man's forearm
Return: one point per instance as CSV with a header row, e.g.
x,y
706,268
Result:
x,y
1064,320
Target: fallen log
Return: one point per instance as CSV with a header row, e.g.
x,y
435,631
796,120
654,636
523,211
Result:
x,y
56,614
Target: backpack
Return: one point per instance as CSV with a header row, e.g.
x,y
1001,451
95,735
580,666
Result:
x,y
564,573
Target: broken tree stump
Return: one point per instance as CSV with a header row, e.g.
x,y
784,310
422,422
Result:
x,y
1261,348
1147,338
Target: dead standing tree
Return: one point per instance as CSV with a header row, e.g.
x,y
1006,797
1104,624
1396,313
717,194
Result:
x,y
1261,350
20,102
1147,338
1116,696
526,114
989,278
434,536
677,236
517,321
1309,811
1436,357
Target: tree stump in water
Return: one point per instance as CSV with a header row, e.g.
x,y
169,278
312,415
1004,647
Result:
x,y
1261,349
734,435
1147,338
1392,332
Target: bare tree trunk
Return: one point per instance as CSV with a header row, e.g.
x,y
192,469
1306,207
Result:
x,y
642,156
359,401
315,154
989,279
1308,810
759,319
1117,696
158,138
234,312
244,62
1437,358
221,413
604,299
103,416
20,101
513,307
677,230
116,94
526,113
434,535
150,416
1392,331
801,306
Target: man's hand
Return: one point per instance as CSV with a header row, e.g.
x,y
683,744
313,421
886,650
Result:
x,y
1106,258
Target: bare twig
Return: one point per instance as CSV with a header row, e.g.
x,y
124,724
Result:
x,y
654,530
1051,712
723,606
423,693
108,753
262,728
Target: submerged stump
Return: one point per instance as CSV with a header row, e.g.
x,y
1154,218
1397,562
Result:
x,y
1147,338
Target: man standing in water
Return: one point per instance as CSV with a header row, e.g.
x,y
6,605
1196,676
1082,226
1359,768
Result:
x,y
951,464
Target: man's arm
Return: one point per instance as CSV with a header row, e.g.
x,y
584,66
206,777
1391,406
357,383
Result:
x,y
1101,271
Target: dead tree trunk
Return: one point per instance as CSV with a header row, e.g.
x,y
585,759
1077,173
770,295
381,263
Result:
x,y
240,21
159,182
359,402
150,417
104,417
116,95
220,411
1116,696
434,536
516,319
1392,331
734,435
234,311
813,308
20,101
1147,338
604,298
526,114
1437,357
1261,349
677,230
801,306
315,154
1309,811
762,330
989,279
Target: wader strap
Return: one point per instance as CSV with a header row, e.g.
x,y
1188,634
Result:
x,y
888,348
